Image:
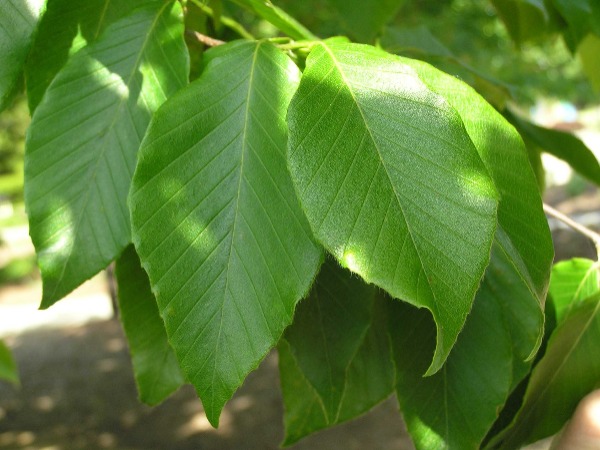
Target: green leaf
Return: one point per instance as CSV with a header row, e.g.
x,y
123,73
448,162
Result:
x,y
364,20
155,367
563,145
66,27
521,218
589,52
18,22
569,370
418,40
8,366
216,221
335,359
572,282
524,19
408,209
278,18
507,317
82,143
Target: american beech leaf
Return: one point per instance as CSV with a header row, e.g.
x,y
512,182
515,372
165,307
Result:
x,y
18,23
391,183
335,359
216,221
157,373
66,27
82,144
505,327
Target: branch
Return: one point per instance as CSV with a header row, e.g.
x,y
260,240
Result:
x,y
206,40
585,231
225,20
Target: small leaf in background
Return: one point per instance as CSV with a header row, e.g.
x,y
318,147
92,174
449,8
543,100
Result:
x,y
569,370
157,373
66,27
18,23
408,209
8,366
563,145
216,221
524,19
363,20
417,40
589,53
82,144
572,282
335,359
278,18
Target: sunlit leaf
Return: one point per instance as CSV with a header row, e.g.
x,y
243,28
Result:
x,y
216,220
335,360
408,209
155,367
82,143
18,22
66,27
572,282
505,328
589,52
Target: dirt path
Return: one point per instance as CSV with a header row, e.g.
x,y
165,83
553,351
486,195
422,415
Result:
x,y
78,393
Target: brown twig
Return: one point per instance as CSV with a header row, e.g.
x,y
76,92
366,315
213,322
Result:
x,y
585,231
206,40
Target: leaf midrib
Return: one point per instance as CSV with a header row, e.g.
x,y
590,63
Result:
x,y
94,168
382,162
235,218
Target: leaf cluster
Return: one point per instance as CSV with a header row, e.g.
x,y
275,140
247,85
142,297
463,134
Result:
x,y
373,217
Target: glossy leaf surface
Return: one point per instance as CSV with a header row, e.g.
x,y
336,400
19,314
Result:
x,y
408,209
335,360
18,22
561,144
155,367
216,221
82,144
66,27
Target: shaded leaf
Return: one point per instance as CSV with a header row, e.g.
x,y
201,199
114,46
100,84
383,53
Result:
x,y
335,360
278,18
8,366
561,144
572,282
409,210
524,19
18,23
364,20
569,370
216,221
66,27
82,144
155,367
582,16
